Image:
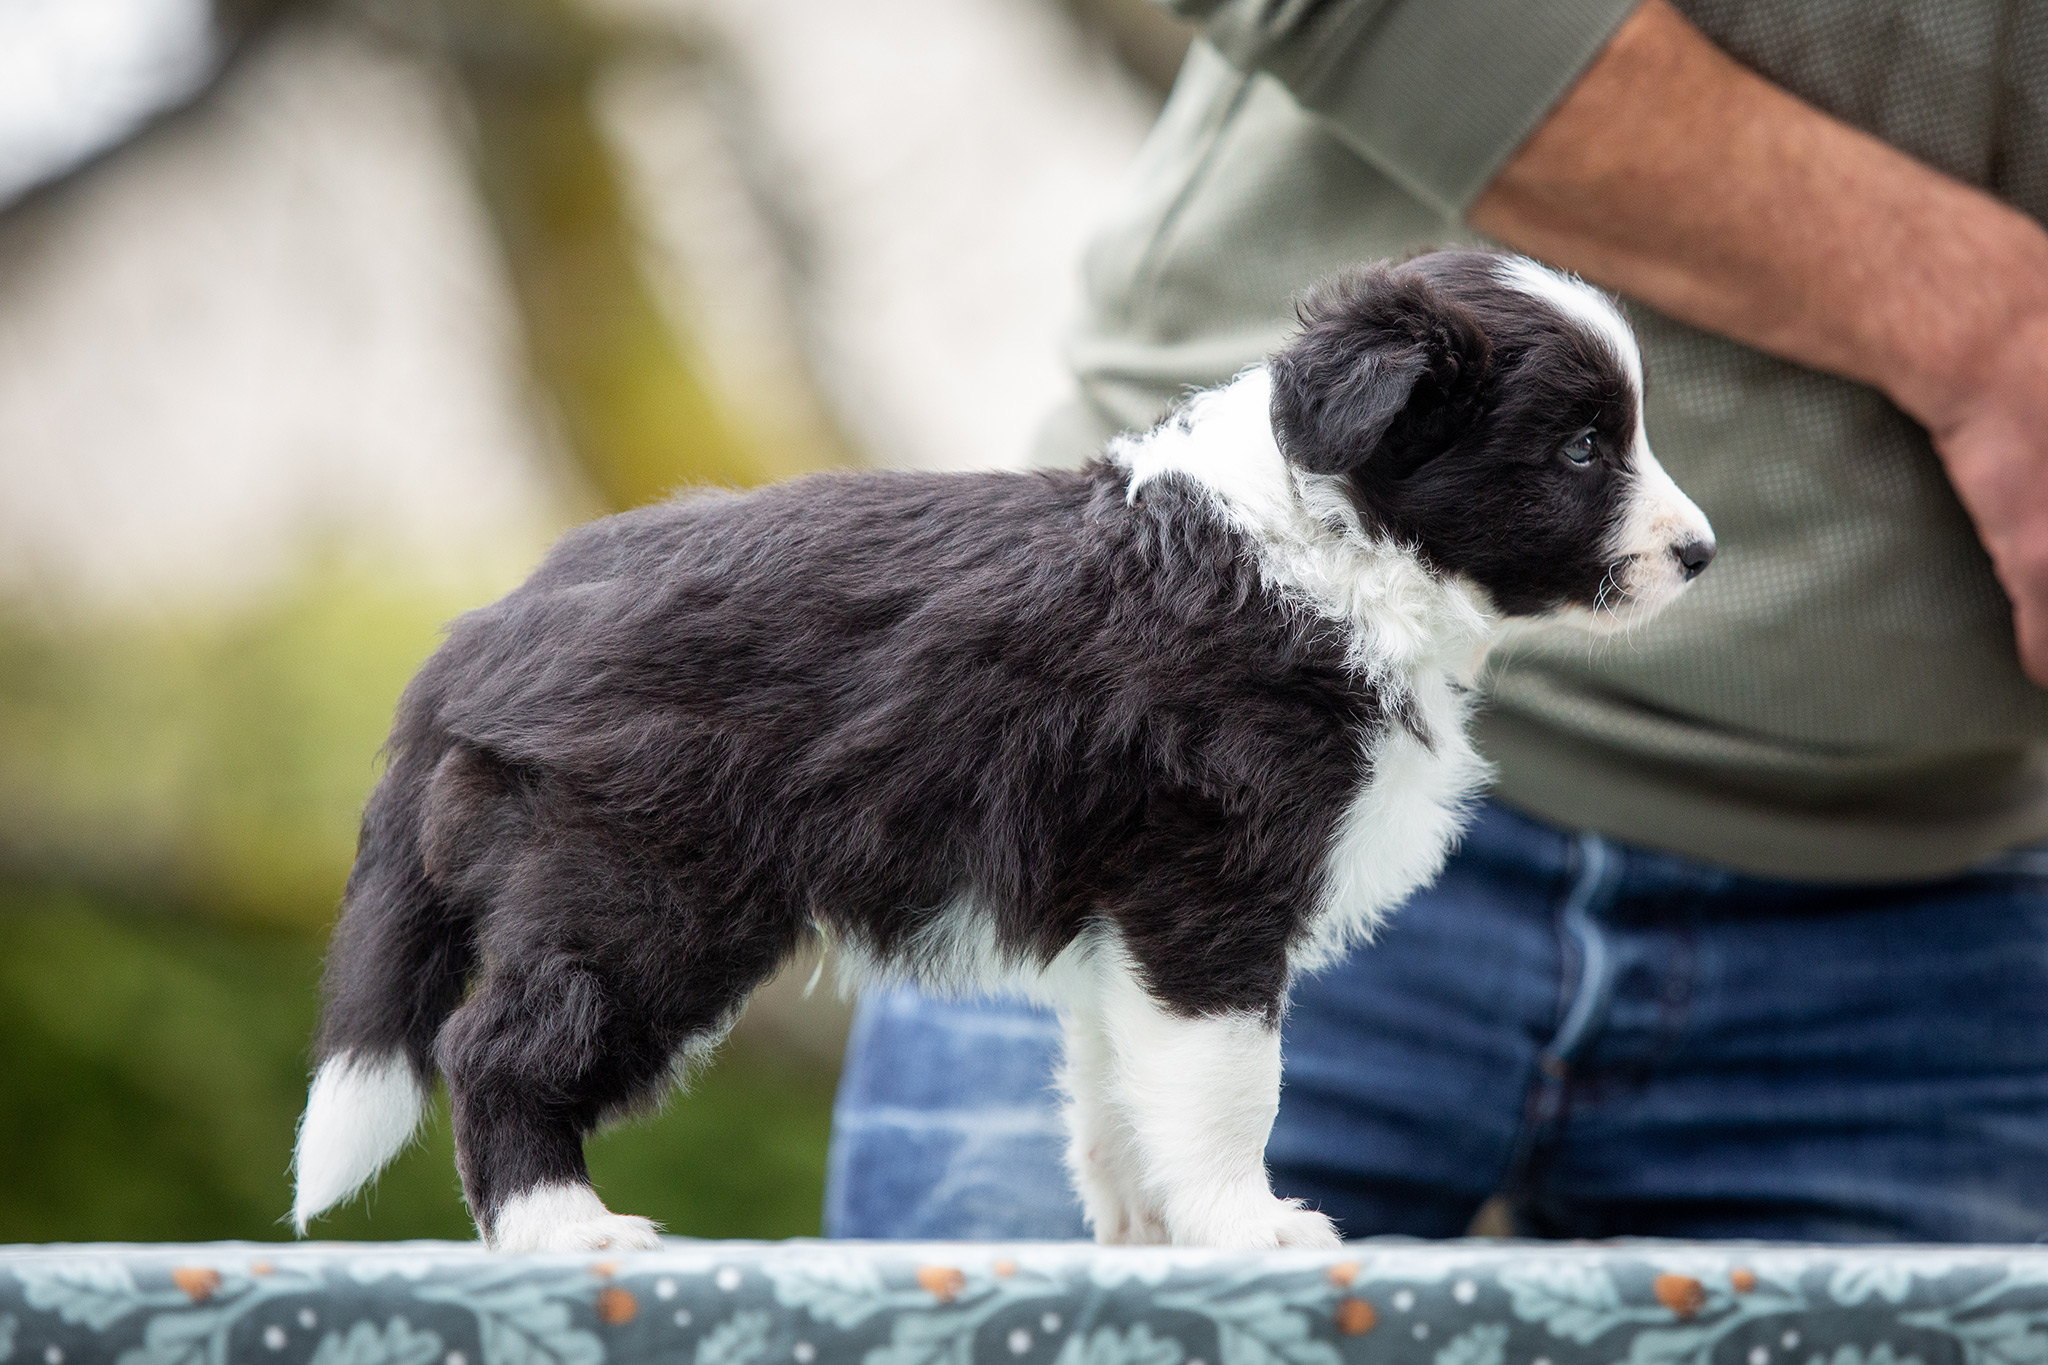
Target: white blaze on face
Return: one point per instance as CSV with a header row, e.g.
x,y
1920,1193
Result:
x,y
1660,527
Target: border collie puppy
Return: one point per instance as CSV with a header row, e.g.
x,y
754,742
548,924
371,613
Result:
x,y
1144,740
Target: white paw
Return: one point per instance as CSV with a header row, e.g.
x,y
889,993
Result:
x,y
1305,1228
1269,1225
1117,1224
567,1217
1116,1211
612,1232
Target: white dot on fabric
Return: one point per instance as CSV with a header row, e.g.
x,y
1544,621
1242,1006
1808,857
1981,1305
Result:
x,y
682,1317
1020,1341
273,1337
307,1317
664,1288
53,1355
727,1279
804,1352
1464,1291
1421,1330
1759,1355
455,1358
1404,1299
1789,1340
1050,1322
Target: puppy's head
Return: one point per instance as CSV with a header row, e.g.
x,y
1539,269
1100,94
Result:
x,y
1487,412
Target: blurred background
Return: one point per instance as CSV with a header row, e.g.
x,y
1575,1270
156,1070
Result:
x,y
317,323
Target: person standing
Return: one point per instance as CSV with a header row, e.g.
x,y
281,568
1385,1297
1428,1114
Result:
x,y
1753,938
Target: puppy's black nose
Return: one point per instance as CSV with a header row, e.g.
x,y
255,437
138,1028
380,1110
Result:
x,y
1694,556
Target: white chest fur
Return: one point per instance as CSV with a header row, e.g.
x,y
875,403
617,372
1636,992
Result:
x,y
1395,834
1416,639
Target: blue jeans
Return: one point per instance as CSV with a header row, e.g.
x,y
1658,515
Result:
x,y
1620,1041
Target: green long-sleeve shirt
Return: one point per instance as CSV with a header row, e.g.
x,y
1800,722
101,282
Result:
x,y
1840,696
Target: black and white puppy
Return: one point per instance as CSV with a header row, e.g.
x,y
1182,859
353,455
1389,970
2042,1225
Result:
x,y
1144,739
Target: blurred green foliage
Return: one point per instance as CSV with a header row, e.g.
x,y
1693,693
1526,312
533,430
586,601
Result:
x,y
155,1068
219,757
178,802
179,794
634,406
631,388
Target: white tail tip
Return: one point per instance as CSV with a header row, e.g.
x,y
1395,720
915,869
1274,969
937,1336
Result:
x,y
360,1113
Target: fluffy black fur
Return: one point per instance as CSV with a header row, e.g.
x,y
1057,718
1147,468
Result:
x,y
620,797
1445,398
631,786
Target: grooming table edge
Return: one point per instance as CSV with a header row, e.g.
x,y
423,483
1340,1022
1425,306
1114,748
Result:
x,y
874,1303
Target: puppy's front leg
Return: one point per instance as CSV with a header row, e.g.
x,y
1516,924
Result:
x,y
1199,1095
1102,1151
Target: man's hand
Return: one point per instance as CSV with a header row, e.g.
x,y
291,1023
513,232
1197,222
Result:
x,y
1994,442
1675,175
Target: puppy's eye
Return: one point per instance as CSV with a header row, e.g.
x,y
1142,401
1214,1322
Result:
x,y
1579,449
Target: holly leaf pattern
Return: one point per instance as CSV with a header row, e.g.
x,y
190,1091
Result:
x,y
2003,1339
1263,1328
931,1339
741,1340
91,1293
1485,1344
1108,1346
522,1324
844,1291
397,1344
1046,1304
192,1337
1574,1299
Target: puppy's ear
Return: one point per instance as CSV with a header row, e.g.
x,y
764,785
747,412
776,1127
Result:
x,y
1385,369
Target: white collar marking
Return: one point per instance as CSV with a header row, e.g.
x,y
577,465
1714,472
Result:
x,y
1401,620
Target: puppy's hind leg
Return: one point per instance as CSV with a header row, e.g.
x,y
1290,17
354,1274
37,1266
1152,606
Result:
x,y
580,1016
534,1058
1200,1093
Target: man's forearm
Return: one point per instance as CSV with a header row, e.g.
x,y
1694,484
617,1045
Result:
x,y
1674,175
1677,176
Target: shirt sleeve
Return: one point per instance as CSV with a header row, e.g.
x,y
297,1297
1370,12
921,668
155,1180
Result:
x,y
1438,94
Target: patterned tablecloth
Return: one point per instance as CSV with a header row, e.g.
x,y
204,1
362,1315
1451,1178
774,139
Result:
x,y
823,1303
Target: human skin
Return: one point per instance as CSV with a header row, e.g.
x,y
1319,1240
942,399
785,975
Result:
x,y
1675,175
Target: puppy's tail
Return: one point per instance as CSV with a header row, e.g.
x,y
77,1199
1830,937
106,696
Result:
x,y
395,971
